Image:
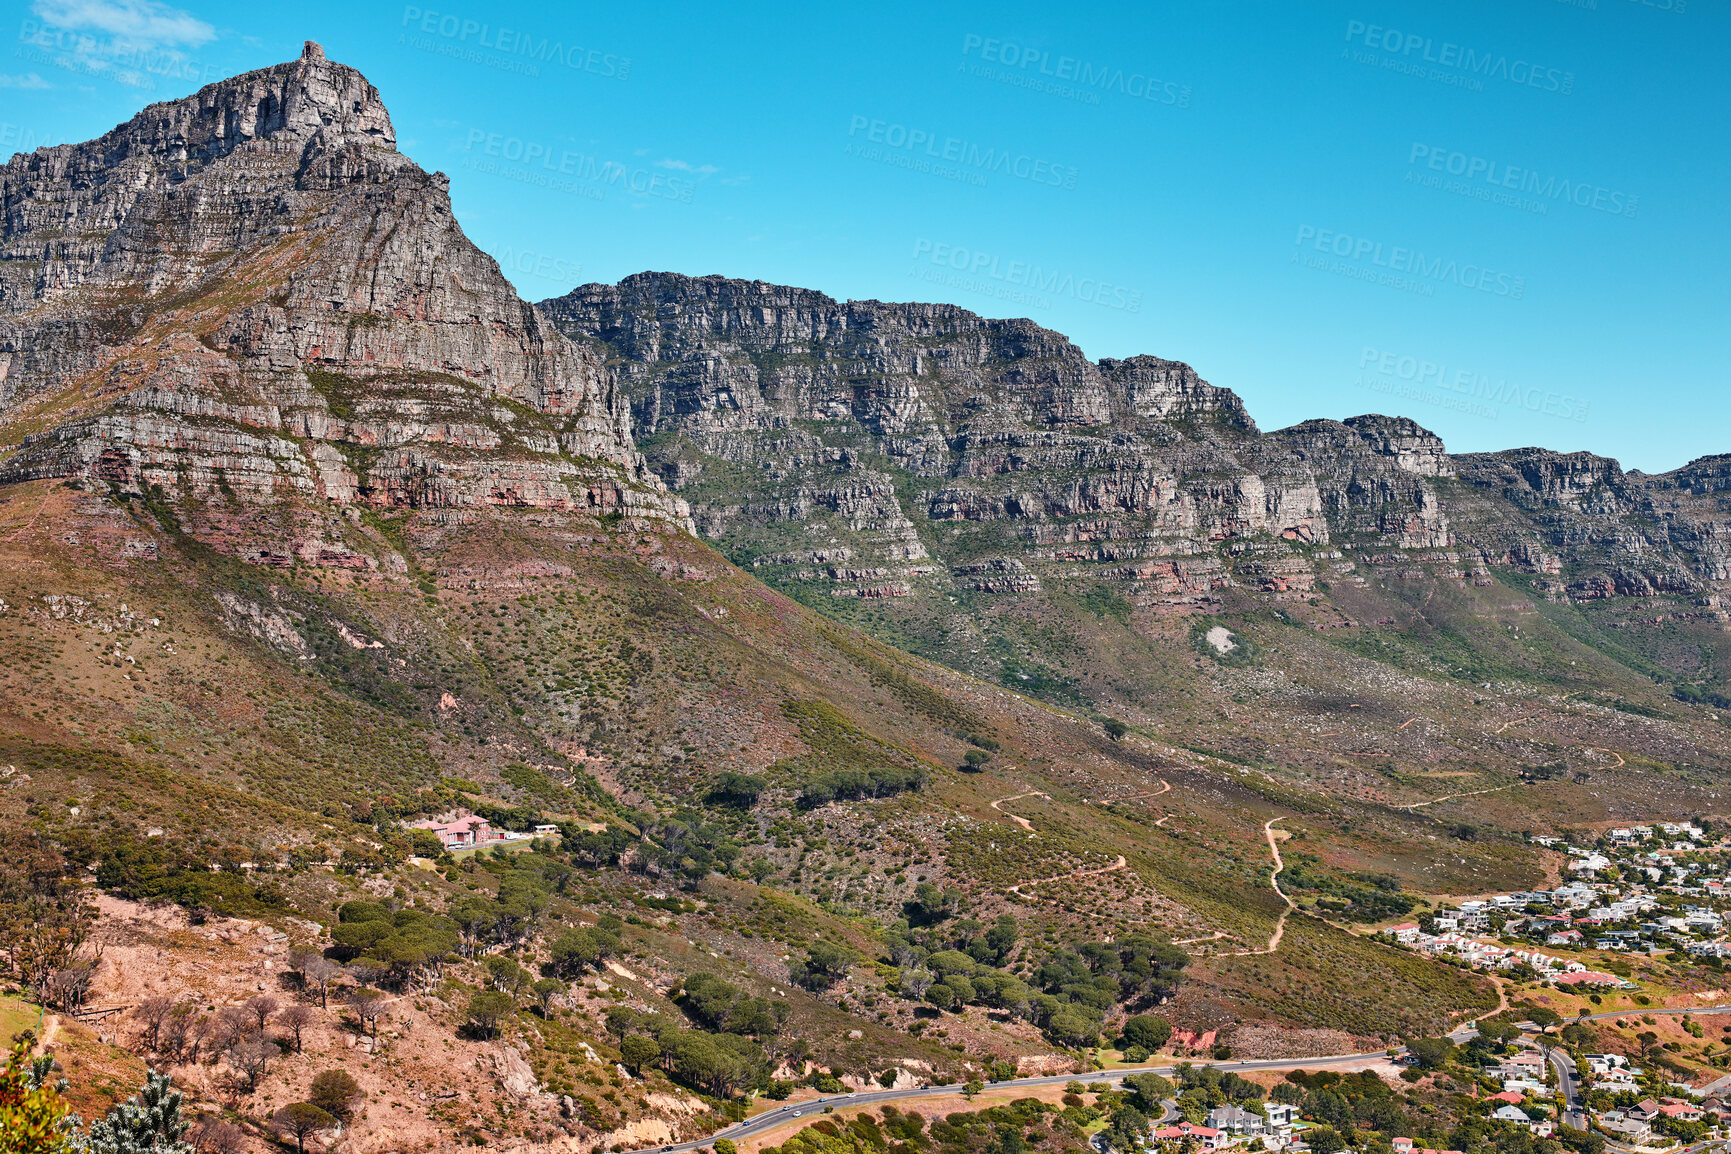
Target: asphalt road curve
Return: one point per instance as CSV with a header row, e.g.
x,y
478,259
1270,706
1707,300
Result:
x,y
770,1119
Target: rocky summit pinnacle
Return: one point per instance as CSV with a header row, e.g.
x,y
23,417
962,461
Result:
x,y
249,300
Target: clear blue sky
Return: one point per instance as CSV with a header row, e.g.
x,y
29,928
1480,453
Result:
x,y
1507,219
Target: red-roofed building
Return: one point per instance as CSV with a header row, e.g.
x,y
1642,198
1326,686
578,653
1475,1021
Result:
x,y
460,833
1587,978
1208,1137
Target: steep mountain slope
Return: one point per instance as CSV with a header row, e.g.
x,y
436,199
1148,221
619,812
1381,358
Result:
x,y
309,528
981,481
249,299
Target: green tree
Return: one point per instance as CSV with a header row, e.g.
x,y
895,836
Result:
x,y
300,1121
1431,1053
488,1011
1147,1091
1544,1017
1149,1031
335,1092
1126,1126
545,990
1324,1140
575,950
637,1052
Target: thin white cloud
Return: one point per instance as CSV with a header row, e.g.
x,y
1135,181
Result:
x,y
138,23
28,80
701,170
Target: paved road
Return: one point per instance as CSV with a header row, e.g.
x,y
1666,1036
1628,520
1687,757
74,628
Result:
x,y
1570,1086
780,1116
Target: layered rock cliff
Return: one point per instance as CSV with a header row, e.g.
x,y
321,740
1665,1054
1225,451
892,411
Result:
x,y
249,300
884,449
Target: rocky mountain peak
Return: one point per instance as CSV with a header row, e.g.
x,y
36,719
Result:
x,y
249,299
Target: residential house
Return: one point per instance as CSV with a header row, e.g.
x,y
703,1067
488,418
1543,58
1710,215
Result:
x,y
1680,1110
1605,1063
1205,1137
1280,1116
1619,1124
1564,938
463,832
1237,1122
1511,1113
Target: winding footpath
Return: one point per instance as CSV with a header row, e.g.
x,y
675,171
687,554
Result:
x,y
1269,832
1452,796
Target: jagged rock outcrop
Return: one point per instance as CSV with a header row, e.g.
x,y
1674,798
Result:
x,y
908,434
249,299
923,431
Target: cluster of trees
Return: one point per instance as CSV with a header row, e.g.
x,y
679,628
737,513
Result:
x,y
1361,897
721,1064
577,950
824,964
684,845
203,877
45,920
721,1007
407,946
513,912
953,961
35,1118
851,784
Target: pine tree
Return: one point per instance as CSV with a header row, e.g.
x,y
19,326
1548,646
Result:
x,y
148,1124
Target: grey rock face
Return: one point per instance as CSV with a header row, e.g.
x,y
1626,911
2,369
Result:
x,y
942,450
921,431
249,299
